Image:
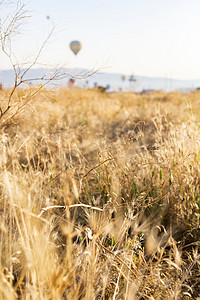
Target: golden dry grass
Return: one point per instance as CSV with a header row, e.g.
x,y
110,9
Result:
x,y
100,197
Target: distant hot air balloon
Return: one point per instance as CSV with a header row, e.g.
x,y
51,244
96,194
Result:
x,y
75,46
123,77
132,78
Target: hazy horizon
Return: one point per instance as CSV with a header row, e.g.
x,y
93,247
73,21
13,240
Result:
x,y
113,80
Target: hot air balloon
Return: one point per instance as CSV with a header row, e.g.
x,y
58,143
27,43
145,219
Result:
x,y
75,46
132,78
123,77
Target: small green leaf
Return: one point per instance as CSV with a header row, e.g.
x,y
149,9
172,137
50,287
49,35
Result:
x,y
160,174
113,242
135,187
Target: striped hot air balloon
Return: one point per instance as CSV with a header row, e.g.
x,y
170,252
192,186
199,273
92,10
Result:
x,y
75,46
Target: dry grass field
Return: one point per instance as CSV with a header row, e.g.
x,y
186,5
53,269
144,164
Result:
x,y
100,197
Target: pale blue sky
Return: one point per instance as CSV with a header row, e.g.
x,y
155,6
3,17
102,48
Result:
x,y
144,37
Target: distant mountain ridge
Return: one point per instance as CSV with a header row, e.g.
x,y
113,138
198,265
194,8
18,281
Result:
x,y
112,80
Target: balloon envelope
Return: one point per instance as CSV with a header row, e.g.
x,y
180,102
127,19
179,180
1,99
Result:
x,y
132,78
75,46
123,77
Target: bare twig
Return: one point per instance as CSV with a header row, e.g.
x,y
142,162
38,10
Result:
x,y
38,55
9,27
69,206
100,164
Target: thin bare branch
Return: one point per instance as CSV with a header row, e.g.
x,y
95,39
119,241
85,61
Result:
x,y
9,27
38,54
70,206
100,164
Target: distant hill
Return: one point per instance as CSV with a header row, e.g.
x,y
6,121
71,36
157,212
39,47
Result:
x,y
111,80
